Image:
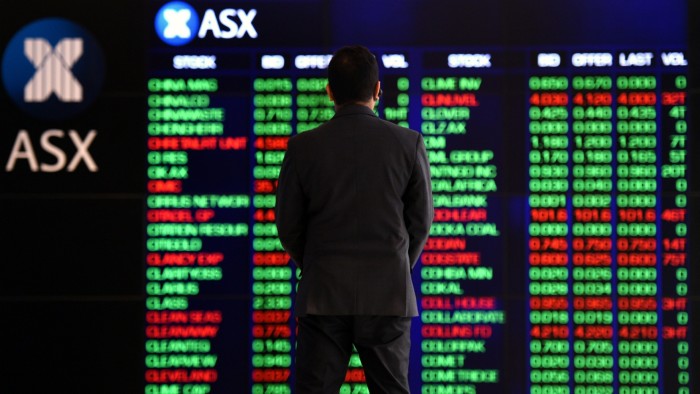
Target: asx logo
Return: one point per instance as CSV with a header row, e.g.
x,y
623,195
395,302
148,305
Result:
x,y
53,69
177,23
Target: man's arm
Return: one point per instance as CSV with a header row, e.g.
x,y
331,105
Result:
x,y
290,209
418,203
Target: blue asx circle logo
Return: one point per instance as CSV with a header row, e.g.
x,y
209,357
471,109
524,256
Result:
x,y
177,23
53,68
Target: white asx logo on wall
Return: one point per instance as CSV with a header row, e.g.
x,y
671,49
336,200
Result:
x,y
177,23
53,68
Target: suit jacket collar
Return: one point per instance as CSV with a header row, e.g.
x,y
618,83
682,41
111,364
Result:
x,y
353,109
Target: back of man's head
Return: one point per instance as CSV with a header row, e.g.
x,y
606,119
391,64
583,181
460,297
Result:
x,y
352,75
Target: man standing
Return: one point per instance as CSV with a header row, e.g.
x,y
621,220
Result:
x,y
354,209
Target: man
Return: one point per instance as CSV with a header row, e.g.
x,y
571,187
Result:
x,y
354,208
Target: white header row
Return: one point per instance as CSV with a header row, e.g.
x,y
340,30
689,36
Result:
x,y
456,60
607,59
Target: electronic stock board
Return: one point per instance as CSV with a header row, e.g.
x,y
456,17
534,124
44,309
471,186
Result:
x,y
560,142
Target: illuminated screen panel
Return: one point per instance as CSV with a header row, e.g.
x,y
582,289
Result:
x,y
462,264
604,300
607,181
272,273
557,258
197,230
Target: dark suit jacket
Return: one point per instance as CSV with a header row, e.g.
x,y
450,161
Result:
x,y
354,209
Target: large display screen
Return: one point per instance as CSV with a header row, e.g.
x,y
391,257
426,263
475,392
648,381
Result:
x,y
141,226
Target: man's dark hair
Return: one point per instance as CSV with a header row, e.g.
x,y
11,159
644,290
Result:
x,y
352,74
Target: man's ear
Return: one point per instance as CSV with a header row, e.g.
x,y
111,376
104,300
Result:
x,y
377,91
329,92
